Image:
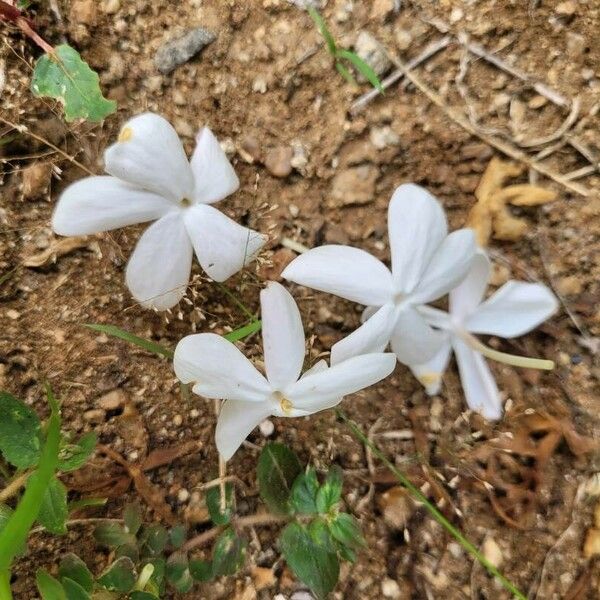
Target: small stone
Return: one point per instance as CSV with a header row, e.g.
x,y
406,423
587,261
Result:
x,y
570,286
36,179
259,85
390,588
13,314
177,51
177,420
537,102
183,496
396,507
153,83
250,150
492,551
266,427
179,98
382,9
403,39
302,595
566,9
263,578
299,157
83,12
372,52
381,137
113,400
111,6
95,416
279,161
354,186
456,15
576,44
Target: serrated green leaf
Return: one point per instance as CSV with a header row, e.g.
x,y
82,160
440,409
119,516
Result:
x,y
120,576
49,587
72,567
20,432
315,565
113,535
213,503
229,553
73,590
132,339
53,511
132,517
178,536
330,492
346,530
201,570
304,493
66,77
74,456
154,539
362,67
277,469
322,26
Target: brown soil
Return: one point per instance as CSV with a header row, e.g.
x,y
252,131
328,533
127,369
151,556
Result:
x,y
272,44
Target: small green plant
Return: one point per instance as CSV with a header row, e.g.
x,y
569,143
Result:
x,y
342,56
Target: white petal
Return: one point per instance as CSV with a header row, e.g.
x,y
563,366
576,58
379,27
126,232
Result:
x,y
448,267
430,373
218,369
236,421
481,392
214,177
513,310
283,335
96,204
372,336
413,340
318,367
222,246
368,312
344,271
159,268
149,154
326,388
465,298
416,227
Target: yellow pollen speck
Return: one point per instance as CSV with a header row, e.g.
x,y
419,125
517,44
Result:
x,y
185,202
126,134
429,378
284,403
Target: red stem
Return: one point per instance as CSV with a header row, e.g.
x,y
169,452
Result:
x,y
8,12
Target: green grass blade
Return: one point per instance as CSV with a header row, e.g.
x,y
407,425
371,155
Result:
x,y
345,73
15,532
362,67
114,331
245,331
320,23
435,513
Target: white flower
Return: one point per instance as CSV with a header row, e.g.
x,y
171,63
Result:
x,y
151,179
513,310
219,370
426,264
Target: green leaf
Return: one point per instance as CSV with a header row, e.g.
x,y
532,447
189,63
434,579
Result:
x,y
154,539
362,67
178,573
213,503
315,565
72,567
118,577
66,77
158,575
20,432
319,532
346,530
245,331
345,73
73,590
304,493
132,516
49,587
142,596
228,554
277,469
74,456
86,503
113,535
201,570
320,23
130,550
54,512
14,534
132,339
330,492
178,535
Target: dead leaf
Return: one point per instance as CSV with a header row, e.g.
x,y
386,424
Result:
x,y
490,216
55,250
263,577
165,456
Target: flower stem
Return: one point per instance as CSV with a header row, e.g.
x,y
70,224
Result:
x,y
508,359
437,515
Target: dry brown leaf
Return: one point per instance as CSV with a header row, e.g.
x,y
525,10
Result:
x,y
490,216
56,249
263,577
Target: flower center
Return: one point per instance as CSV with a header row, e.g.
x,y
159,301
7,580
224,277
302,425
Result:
x,y
285,404
126,134
185,203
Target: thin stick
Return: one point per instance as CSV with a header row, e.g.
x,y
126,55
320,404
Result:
x,y
24,129
222,467
499,145
432,49
241,523
14,486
